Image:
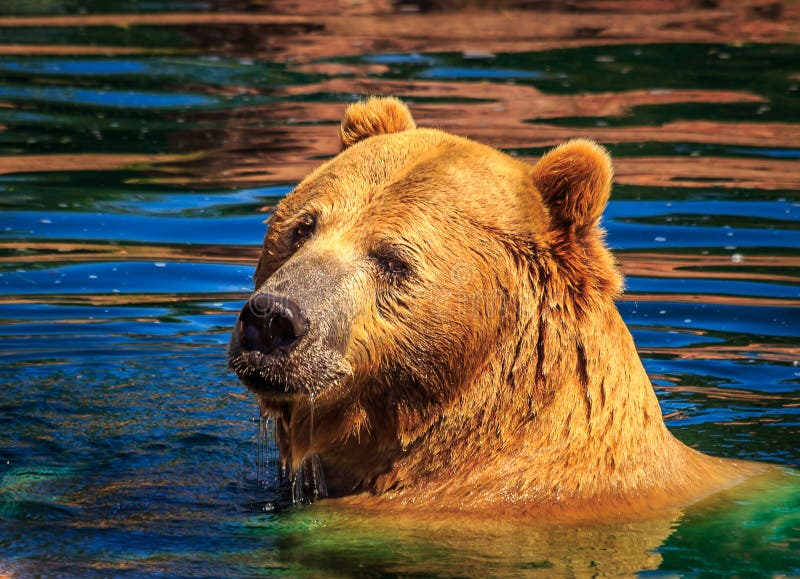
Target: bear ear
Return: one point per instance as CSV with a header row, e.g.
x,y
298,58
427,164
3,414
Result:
x,y
375,116
574,180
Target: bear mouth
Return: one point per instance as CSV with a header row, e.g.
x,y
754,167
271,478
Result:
x,y
280,378
264,374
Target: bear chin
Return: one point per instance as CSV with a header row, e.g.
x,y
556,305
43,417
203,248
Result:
x,y
281,379
260,378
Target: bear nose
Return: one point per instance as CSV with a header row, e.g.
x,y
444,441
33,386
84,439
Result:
x,y
270,324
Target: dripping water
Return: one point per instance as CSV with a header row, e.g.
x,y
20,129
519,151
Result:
x,y
318,476
297,486
270,469
311,422
308,482
264,462
320,486
261,451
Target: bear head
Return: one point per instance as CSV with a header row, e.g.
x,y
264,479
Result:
x,y
401,272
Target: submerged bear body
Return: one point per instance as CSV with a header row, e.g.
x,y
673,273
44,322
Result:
x,y
434,323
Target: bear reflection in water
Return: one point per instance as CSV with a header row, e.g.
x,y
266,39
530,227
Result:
x,y
434,323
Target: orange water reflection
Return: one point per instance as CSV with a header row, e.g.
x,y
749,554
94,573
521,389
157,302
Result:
x,y
243,148
761,351
313,30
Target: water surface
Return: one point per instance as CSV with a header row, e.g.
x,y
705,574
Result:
x,y
145,143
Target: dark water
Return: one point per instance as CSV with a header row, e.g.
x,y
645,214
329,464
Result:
x,y
140,155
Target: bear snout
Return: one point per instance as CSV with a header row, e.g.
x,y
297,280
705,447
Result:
x,y
270,324
276,351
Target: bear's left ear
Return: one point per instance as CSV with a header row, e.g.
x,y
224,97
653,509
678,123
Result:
x,y
575,182
375,116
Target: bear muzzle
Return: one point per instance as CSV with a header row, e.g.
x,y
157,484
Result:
x,y
268,330
278,353
290,338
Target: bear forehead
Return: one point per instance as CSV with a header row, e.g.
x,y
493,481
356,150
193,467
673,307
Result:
x,y
430,173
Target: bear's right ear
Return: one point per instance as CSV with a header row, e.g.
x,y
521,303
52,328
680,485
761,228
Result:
x,y
574,180
375,116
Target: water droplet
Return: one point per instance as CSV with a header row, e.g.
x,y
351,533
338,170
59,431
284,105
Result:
x,y
320,484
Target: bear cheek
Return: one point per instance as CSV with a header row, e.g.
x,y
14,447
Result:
x,y
367,340
432,353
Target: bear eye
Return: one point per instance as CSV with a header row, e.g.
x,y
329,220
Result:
x,y
303,229
393,263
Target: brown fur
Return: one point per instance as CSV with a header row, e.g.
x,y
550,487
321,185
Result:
x,y
374,117
498,373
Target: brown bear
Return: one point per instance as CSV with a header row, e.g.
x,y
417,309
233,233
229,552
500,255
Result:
x,y
433,324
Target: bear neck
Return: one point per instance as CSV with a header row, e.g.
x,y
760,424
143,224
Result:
x,y
567,416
